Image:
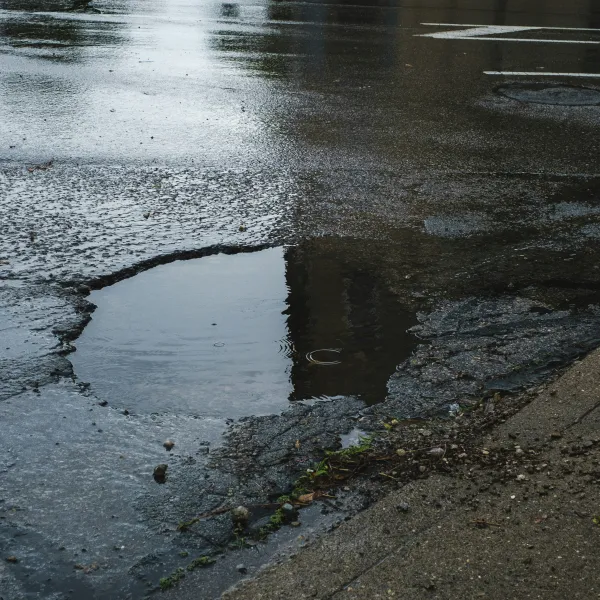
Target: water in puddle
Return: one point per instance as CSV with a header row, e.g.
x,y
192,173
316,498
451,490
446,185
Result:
x,y
229,335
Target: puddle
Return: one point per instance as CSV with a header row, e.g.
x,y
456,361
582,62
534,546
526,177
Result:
x,y
232,335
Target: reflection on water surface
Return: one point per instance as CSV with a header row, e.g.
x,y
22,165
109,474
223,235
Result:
x,y
228,335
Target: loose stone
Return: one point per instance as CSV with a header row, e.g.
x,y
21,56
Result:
x,y
160,473
289,511
240,515
437,452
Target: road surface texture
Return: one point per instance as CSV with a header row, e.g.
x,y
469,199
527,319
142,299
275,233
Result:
x,y
427,176
519,526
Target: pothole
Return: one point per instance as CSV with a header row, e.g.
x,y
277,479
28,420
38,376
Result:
x,y
230,335
555,94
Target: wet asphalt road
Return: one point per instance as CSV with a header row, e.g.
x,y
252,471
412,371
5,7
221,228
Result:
x,y
181,129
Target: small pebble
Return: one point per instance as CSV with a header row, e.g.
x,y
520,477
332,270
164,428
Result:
x,y
240,515
160,473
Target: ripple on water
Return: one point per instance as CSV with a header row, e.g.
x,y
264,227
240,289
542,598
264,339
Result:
x,y
229,335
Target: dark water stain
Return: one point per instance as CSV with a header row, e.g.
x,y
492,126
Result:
x,y
39,31
228,336
559,95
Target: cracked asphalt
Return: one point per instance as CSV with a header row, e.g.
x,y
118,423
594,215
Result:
x,y
140,133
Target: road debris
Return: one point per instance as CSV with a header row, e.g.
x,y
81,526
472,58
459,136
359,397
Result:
x,y
41,167
160,473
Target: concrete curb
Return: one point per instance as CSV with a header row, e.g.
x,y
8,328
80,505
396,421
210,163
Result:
x,y
473,535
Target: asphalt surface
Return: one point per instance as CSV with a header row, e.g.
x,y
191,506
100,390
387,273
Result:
x,y
514,519
141,133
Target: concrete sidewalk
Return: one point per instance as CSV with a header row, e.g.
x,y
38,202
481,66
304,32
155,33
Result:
x,y
519,527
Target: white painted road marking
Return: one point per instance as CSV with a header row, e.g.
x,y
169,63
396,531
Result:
x,y
472,31
540,74
513,27
482,33
539,41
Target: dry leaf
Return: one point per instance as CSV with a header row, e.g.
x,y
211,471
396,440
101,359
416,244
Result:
x,y
306,498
